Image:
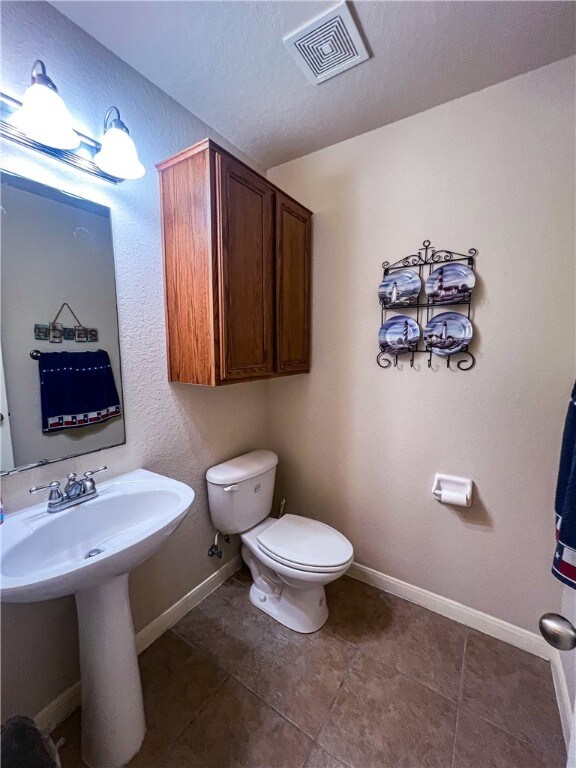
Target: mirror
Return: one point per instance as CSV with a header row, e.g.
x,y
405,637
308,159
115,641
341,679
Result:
x,y
60,375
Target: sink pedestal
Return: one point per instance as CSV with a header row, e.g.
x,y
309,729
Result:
x,y
113,724
44,556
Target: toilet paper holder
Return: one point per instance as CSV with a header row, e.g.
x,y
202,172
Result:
x,y
451,489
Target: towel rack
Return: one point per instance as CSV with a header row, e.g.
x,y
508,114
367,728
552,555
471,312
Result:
x,y
35,353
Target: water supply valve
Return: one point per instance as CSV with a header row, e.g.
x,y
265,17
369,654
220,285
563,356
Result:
x,y
214,548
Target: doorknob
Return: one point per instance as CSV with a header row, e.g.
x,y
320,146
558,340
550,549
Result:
x,y
558,631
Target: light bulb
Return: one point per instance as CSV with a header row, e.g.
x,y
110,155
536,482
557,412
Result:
x,y
118,156
43,116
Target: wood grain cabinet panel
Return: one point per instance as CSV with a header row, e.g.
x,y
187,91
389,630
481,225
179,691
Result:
x,y
237,254
293,245
247,299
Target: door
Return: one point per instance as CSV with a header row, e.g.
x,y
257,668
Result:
x,y
246,249
560,633
571,762
293,249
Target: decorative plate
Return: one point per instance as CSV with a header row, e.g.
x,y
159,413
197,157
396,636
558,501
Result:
x,y
400,288
451,283
447,333
398,335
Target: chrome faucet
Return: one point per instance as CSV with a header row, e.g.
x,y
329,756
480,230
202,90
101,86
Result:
x,y
75,491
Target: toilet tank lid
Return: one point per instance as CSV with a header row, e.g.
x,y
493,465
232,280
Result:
x,y
242,468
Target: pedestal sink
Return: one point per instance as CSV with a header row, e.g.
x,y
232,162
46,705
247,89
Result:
x,y
88,550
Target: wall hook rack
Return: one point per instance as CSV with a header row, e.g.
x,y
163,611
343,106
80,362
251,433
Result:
x,y
423,309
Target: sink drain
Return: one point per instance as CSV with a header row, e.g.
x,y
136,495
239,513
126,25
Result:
x,y
92,553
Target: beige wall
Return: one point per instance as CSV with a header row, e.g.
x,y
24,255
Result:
x,y
358,445
173,429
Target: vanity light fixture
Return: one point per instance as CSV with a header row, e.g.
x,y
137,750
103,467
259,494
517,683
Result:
x,y
41,121
43,116
118,155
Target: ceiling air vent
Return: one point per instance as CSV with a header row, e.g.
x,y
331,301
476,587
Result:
x,y
327,45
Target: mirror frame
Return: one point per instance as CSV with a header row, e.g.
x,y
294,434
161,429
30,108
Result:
x,y
53,193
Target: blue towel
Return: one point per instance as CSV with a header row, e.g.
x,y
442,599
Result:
x,y
564,565
76,389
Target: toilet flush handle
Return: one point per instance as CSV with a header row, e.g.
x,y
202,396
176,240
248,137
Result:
x,y
231,488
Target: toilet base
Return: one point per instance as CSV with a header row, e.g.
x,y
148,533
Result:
x,y
303,610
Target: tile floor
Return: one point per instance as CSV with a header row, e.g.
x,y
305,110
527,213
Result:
x,y
384,684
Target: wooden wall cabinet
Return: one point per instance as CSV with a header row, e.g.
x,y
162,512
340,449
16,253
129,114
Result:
x,y
237,256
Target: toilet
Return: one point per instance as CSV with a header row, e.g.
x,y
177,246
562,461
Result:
x,y
292,558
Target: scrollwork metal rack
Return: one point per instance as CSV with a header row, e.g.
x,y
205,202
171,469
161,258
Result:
x,y
424,262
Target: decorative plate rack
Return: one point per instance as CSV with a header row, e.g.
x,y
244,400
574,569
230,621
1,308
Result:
x,y
425,285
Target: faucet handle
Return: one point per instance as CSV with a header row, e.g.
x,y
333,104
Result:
x,y
71,477
53,484
55,492
89,484
91,472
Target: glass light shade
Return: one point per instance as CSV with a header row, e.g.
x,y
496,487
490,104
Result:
x,y
44,118
118,155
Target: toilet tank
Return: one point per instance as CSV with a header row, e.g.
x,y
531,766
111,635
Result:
x,y
240,491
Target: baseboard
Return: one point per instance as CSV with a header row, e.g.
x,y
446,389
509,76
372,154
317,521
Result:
x,y
152,632
63,706
562,694
483,622
59,709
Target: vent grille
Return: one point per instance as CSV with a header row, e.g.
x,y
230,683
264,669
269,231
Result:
x,y
328,45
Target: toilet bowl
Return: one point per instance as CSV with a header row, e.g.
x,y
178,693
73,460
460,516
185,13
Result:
x,y
292,558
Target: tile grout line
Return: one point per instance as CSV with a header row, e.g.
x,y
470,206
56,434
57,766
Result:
x,y
515,736
395,666
272,707
415,680
193,718
357,651
409,677
460,696
313,739
455,737
239,581
498,726
198,650
240,682
349,671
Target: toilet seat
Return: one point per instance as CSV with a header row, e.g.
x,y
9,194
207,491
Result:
x,y
305,545
305,568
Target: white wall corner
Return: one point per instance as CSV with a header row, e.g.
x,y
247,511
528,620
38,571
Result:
x,y
562,695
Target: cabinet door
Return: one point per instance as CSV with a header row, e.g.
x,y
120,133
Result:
x,y
246,253
293,249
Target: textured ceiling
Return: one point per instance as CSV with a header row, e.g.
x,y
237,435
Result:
x,y
225,61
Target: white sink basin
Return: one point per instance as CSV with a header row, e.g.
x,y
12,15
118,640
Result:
x,y
46,555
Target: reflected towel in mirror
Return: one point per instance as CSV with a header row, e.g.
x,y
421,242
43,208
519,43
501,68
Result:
x,y
76,389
